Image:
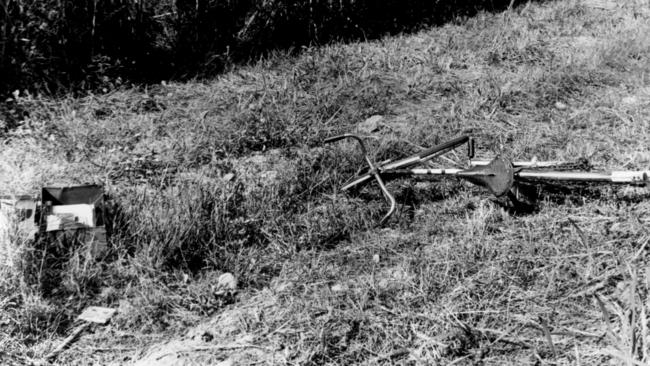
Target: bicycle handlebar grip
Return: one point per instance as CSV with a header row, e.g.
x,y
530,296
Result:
x,y
336,138
470,148
445,145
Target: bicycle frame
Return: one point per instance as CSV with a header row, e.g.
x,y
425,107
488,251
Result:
x,y
497,175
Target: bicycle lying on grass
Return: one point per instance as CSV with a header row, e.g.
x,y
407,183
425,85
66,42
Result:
x,y
501,177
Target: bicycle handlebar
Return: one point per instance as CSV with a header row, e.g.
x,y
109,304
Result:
x,y
374,172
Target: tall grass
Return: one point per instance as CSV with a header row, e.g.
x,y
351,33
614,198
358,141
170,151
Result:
x,y
53,45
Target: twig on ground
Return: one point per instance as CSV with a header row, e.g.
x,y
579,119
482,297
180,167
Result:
x,y
583,237
217,347
547,333
66,342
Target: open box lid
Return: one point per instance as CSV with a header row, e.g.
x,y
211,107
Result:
x,y
88,194
73,207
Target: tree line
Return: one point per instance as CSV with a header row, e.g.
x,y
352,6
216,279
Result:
x,y
54,46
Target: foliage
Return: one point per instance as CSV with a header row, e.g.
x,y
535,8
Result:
x,y
52,46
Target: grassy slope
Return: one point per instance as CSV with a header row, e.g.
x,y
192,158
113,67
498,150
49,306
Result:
x,y
453,278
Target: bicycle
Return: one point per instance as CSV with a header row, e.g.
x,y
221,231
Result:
x,y
499,176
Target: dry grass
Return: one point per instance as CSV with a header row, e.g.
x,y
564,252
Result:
x,y
228,176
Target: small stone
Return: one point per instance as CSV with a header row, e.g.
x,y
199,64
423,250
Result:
x,y
228,177
339,288
375,258
372,124
632,100
383,283
108,293
227,282
282,287
561,106
125,308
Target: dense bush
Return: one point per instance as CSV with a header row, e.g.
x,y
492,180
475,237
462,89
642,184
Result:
x,y
52,46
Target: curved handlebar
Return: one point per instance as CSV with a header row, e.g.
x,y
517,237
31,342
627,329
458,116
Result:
x,y
351,136
336,138
374,172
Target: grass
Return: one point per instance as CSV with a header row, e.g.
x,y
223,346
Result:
x,y
229,176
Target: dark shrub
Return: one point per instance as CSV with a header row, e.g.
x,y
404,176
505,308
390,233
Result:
x,y
53,46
